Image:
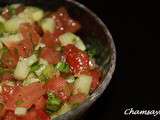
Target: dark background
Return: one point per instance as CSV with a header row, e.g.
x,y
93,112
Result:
x,y
135,29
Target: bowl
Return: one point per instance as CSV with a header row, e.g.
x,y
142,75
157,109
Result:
x,y
93,32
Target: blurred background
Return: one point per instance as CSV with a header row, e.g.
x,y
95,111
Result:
x,y
135,84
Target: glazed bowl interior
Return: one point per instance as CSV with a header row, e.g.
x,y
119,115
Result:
x,y
93,33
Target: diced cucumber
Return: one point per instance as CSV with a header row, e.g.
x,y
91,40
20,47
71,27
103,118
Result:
x,y
32,13
70,38
40,70
65,108
32,59
83,84
2,19
20,111
1,88
23,67
30,79
49,71
12,25
1,45
43,64
2,27
15,5
40,45
8,40
48,24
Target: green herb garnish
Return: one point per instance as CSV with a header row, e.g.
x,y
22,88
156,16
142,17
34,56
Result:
x,y
35,67
53,103
62,67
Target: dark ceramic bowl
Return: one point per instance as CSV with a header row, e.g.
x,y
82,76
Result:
x,y
94,33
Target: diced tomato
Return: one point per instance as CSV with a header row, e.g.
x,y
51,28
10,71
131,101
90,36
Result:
x,y
52,56
27,94
25,48
29,33
50,40
6,77
41,115
96,75
40,104
10,59
37,28
77,59
64,22
60,87
7,91
10,116
77,99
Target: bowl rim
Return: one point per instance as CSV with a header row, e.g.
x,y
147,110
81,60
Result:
x,y
99,91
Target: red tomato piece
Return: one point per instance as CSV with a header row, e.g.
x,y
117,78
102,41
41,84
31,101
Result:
x,y
50,40
6,77
77,59
10,116
60,87
52,56
29,33
40,104
37,28
28,94
77,99
96,75
7,91
41,115
25,48
10,59
64,22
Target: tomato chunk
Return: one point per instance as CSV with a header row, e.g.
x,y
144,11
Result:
x,y
25,48
41,115
8,91
64,22
10,116
27,94
10,59
40,104
60,87
52,56
50,40
29,33
77,59
6,77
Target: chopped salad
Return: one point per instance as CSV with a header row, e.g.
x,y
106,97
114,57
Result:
x,y
45,68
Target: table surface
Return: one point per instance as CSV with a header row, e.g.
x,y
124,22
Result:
x,y
135,81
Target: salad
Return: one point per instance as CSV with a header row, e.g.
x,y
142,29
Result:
x,y
46,69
